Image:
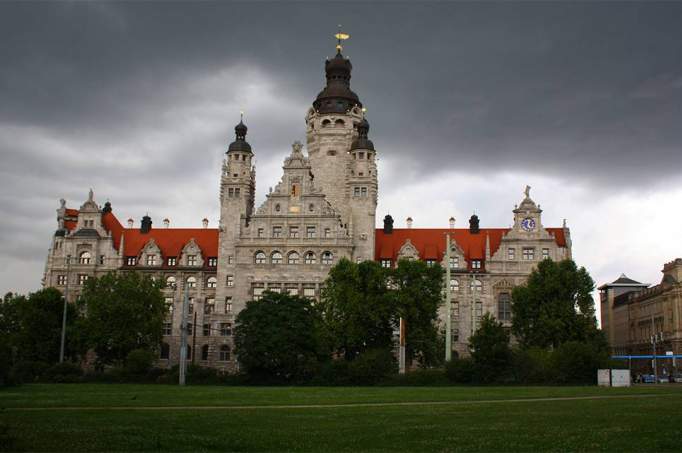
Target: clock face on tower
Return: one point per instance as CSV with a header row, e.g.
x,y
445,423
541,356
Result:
x,y
528,224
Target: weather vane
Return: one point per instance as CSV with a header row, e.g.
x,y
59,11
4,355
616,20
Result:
x,y
241,115
340,36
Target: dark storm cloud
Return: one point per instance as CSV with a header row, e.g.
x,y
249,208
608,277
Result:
x,y
139,99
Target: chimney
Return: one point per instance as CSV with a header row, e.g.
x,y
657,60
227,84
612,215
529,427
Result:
x,y
204,222
409,222
130,223
388,224
452,222
166,222
473,224
146,224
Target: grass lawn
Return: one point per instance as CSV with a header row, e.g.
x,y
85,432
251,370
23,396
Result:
x,y
97,417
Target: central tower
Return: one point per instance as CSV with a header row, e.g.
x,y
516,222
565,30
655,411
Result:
x,y
332,133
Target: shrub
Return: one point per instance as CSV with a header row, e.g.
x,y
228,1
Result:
x,y
533,366
460,371
420,377
332,372
372,366
28,371
65,372
577,363
139,362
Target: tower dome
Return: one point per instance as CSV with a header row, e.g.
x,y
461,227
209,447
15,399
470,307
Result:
x,y
337,97
240,143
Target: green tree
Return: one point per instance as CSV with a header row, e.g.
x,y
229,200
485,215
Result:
x,y
555,306
277,338
357,308
124,311
490,350
32,326
417,291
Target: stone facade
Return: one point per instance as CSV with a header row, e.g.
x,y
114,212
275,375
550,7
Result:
x,y
323,209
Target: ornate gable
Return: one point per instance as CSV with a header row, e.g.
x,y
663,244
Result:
x,y
408,251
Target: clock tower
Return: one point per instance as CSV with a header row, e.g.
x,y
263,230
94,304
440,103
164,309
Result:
x,y
527,215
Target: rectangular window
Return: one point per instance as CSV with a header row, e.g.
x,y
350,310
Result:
x,y
363,191
190,328
172,261
292,289
293,232
258,292
261,232
206,330
430,263
511,254
190,308
277,232
356,192
230,260
61,280
545,254
82,278
455,335
454,284
454,262
309,291
528,253
130,261
225,329
275,287
101,259
167,328
327,232
386,263
504,307
228,304
455,310
478,309
151,260
212,262
236,192
209,305
310,232
191,260
230,281
475,264
230,192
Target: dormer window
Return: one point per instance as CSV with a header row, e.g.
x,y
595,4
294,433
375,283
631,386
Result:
x,y
212,262
172,261
386,263
191,260
454,262
430,263
131,260
151,260
475,264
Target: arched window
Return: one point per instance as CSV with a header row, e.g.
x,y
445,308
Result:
x,y
224,353
339,123
204,352
326,123
504,312
293,258
276,258
191,282
310,258
165,351
212,282
84,258
327,258
170,282
476,285
454,284
260,257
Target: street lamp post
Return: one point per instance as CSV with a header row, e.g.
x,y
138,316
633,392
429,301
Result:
x,y
448,302
66,301
183,334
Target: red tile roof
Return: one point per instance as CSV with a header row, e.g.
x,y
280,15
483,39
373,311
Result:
x,y
171,240
430,242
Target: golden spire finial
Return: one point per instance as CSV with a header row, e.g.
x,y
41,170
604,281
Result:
x,y
241,116
340,36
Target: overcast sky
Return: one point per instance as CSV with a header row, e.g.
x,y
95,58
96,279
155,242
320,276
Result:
x,y
468,103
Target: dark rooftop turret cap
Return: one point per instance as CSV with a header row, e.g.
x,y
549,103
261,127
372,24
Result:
x,y
146,224
362,142
337,97
240,143
474,224
388,224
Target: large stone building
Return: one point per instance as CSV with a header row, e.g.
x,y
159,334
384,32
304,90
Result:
x,y
634,314
322,210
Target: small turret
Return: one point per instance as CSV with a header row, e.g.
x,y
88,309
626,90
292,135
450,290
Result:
x,y
388,224
146,224
474,224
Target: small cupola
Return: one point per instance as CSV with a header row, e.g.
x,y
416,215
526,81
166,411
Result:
x,y
474,225
146,224
388,224
240,144
362,142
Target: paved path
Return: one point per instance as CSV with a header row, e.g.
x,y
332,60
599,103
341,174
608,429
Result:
x,y
338,405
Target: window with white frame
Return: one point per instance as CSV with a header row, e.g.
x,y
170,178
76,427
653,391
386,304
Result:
x,y
228,304
476,285
258,290
293,258
191,260
84,258
261,232
212,262
229,281
356,192
293,232
170,282
61,280
191,282
310,258
169,304
545,254
430,262
131,260
454,262
327,258
309,291
259,257
172,261
475,264
291,288
528,253
511,253
211,282
363,191
310,232
82,278
386,263
151,260
276,258
454,284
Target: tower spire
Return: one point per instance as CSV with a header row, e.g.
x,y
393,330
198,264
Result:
x,y
340,36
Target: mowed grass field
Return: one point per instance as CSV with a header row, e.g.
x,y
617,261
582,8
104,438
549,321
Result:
x,y
105,417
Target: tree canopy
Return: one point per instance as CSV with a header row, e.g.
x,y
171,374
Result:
x,y
277,338
555,306
490,350
124,311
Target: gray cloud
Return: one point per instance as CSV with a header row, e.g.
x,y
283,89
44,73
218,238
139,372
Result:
x,y
138,100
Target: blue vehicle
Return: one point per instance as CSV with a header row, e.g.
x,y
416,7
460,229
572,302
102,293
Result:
x,y
648,379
